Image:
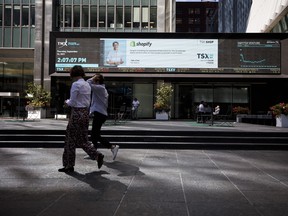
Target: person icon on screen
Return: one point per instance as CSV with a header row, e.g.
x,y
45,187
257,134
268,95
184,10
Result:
x,y
115,57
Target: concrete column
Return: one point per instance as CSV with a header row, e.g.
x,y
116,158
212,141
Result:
x,y
43,26
166,10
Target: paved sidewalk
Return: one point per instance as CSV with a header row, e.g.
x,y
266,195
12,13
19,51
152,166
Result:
x,y
171,125
145,182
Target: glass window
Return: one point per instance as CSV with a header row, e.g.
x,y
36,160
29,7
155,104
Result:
x,y
7,37
110,2
25,15
32,16
16,15
119,17
153,2
25,37
7,15
145,17
128,16
86,2
12,76
93,16
128,2
136,2
76,16
32,37
93,2
60,22
145,3
0,15
111,16
28,72
102,16
16,37
119,2
203,94
136,17
223,95
77,1
102,2
68,15
240,95
85,16
197,11
153,17
0,36
145,14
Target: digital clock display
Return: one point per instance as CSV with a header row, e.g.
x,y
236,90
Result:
x,y
71,60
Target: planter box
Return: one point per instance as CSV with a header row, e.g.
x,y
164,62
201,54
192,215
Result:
x,y
34,114
162,116
282,121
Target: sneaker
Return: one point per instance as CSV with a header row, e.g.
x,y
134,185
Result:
x,y
100,160
87,157
66,169
115,151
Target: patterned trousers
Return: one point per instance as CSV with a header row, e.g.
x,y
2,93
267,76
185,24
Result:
x,y
77,137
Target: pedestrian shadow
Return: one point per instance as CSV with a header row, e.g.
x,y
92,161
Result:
x,y
124,168
96,180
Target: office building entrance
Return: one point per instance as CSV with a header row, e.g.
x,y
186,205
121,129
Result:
x,y
9,104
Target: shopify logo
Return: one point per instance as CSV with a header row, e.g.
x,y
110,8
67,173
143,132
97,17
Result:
x,y
143,44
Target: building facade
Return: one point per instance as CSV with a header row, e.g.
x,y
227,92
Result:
x,y
275,18
233,15
196,16
25,55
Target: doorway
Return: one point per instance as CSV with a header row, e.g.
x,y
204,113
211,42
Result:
x,y
9,104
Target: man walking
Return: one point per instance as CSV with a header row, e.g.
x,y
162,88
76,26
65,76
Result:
x,y
98,108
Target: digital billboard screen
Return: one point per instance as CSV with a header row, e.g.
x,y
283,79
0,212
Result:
x,y
168,55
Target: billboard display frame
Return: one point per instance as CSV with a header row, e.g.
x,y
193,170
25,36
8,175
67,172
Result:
x,y
141,60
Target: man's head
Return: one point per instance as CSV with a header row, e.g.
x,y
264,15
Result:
x,y
115,45
98,78
77,71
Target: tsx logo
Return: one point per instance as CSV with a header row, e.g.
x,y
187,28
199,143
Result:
x,y
66,43
143,44
207,41
204,56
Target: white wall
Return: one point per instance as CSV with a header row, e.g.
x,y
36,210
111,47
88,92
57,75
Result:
x,y
265,14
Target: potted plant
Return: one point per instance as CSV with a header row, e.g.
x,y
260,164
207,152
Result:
x,y
162,105
37,98
280,111
240,110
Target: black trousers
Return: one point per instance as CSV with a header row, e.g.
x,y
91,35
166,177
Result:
x,y
98,120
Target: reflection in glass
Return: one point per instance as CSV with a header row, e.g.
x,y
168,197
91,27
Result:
x,y
93,16
7,15
25,15
16,15
76,16
85,16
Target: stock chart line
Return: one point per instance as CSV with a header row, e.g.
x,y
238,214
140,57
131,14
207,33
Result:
x,y
242,59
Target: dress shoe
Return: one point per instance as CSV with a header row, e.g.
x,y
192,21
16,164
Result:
x,y
66,169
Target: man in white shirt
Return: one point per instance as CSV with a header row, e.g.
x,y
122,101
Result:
x,y
135,106
77,128
98,108
115,57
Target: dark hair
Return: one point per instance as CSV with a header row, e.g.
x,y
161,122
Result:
x,y
115,42
99,78
76,71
